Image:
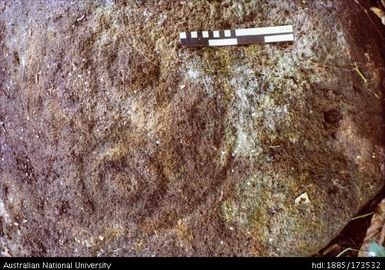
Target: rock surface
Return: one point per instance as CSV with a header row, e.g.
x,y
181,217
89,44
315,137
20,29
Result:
x,y
115,141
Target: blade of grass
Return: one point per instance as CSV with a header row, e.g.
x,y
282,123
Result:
x,y
346,250
362,216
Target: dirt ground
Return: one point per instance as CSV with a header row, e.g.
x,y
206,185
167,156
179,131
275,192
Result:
x,y
116,141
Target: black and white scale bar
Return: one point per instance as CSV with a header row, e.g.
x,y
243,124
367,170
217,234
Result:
x,y
237,37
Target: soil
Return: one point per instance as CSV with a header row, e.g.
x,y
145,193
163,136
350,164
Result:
x,y
116,141
349,241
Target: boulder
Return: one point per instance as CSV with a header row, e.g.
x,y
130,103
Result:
x,y
117,141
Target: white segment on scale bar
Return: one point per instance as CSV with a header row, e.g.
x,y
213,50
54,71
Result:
x,y
182,35
223,42
279,38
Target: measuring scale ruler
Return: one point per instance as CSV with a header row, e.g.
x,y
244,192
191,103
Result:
x,y
237,37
